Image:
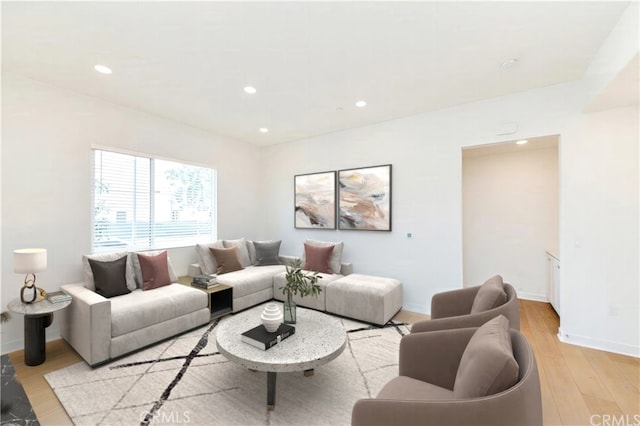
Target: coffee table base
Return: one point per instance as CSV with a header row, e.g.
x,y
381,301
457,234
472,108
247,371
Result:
x,y
271,387
271,390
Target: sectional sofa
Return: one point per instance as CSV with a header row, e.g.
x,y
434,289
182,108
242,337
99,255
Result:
x,y
103,326
362,297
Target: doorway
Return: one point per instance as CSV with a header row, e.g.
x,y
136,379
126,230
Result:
x,y
510,213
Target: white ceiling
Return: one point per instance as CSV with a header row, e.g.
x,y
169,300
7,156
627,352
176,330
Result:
x,y
310,62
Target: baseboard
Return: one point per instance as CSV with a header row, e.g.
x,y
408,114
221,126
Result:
x,y
415,308
599,344
532,296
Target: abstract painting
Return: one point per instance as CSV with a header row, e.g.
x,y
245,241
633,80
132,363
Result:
x,y
315,200
365,198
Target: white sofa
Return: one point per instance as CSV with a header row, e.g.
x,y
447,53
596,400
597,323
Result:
x,y
101,329
252,284
363,297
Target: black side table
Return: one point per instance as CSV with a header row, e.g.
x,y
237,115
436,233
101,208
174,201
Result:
x,y
37,317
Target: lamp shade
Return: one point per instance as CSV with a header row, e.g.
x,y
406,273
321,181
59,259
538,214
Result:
x,y
29,261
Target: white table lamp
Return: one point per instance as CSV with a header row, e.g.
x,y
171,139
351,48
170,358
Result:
x,y
29,261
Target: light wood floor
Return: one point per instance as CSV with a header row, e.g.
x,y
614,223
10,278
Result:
x,y
576,382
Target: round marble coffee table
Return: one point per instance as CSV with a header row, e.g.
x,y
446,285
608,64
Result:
x,y
318,339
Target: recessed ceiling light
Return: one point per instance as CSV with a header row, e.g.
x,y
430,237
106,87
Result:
x,y
508,63
522,142
102,69
250,89
263,130
361,104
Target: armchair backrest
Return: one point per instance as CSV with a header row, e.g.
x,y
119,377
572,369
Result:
x,y
521,404
451,309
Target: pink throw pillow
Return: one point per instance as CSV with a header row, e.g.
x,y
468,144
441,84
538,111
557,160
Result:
x,y
317,258
155,270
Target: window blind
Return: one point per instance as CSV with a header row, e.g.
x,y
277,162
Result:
x,y
144,203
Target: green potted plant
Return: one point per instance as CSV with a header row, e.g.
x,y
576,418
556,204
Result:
x,y
298,282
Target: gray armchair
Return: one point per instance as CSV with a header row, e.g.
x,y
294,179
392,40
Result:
x,y
452,309
423,393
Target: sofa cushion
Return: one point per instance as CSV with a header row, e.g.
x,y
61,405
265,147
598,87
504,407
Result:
x,y
250,280
140,309
490,295
317,258
155,270
206,260
227,259
407,388
243,250
336,256
487,365
138,272
105,257
315,302
267,252
110,277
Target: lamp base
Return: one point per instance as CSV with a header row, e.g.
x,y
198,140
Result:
x,y
31,290
29,294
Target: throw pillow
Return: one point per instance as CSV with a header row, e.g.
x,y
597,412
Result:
x,y
317,258
267,252
155,270
336,256
490,295
487,366
138,271
243,250
110,277
106,257
227,259
205,258
252,252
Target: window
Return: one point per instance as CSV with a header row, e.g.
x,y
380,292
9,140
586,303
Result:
x,y
145,203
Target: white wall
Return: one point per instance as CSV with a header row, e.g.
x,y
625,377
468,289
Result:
x,y
47,134
510,217
425,151
599,242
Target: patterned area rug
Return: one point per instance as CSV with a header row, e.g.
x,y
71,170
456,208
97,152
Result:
x,y
186,381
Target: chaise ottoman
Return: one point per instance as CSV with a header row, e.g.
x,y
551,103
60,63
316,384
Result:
x,y
364,297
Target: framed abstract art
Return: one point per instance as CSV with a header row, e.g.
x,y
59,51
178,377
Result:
x,y
364,198
315,200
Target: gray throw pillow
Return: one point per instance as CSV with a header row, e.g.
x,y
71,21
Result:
x,y
267,252
107,257
487,366
110,277
490,295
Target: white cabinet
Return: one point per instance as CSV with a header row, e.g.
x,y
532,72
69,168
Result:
x,y
553,281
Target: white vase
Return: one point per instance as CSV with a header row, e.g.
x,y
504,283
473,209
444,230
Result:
x,y
271,317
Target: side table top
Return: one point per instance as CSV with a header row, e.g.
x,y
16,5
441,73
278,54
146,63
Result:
x,y
319,338
38,308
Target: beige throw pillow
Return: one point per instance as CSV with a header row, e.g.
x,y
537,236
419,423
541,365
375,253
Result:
x,y
243,250
227,259
206,260
487,366
490,295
